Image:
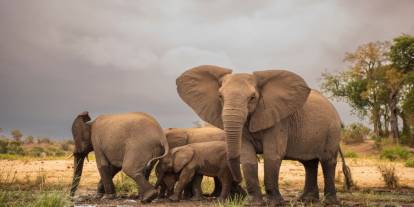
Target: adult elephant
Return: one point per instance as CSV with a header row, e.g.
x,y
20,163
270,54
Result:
x,y
127,142
273,113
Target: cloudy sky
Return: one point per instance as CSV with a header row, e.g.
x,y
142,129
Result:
x,y
58,58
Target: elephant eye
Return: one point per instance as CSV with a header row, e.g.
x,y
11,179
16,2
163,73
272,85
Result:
x,y
220,97
252,98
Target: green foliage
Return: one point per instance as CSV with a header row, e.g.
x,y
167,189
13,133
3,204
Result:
x,y
15,148
409,162
125,184
3,145
354,133
402,52
29,140
395,152
52,199
17,135
232,202
34,199
350,154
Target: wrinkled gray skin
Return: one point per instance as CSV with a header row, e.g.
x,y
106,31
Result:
x,y
127,142
192,161
177,137
273,113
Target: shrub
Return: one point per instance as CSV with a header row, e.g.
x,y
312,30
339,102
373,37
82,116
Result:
x,y
354,133
409,162
125,184
15,148
350,154
36,152
388,175
395,152
3,145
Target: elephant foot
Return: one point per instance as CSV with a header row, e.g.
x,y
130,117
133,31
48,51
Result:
x,y
98,196
149,195
109,196
174,198
331,200
255,201
237,192
309,197
275,201
196,198
274,198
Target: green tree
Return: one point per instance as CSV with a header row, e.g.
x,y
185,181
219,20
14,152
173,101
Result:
x,y
29,140
361,84
402,58
17,135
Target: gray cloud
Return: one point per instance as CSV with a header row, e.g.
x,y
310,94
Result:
x,y
58,58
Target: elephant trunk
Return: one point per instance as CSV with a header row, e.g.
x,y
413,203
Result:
x,y
233,120
77,172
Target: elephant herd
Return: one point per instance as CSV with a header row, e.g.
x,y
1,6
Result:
x,y
272,112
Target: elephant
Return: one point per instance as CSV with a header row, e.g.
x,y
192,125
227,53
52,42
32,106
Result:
x,y
270,112
130,142
177,137
192,161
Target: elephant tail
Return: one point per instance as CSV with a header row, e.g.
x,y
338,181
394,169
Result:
x,y
148,167
348,184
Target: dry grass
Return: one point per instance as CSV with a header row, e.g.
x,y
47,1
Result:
x,y
389,175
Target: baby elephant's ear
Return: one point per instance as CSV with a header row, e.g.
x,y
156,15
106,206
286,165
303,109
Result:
x,y
182,156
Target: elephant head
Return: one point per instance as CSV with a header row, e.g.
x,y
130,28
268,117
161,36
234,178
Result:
x,y
81,132
232,101
174,162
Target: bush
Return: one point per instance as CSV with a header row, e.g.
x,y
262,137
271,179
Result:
x,y
37,152
388,175
350,154
3,145
354,133
15,148
409,162
395,152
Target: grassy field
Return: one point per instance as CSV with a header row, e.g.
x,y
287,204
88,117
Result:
x,y
28,181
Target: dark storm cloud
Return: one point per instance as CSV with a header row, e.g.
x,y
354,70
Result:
x,y
58,58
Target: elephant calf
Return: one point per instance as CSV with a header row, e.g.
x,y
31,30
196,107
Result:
x,y
194,161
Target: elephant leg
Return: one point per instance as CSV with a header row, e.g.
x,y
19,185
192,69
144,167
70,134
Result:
x,y
274,148
250,173
188,191
217,188
133,166
311,190
105,171
186,176
328,167
196,187
226,180
101,190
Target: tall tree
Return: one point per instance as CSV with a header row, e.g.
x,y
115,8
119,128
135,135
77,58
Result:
x,y
360,84
402,57
17,135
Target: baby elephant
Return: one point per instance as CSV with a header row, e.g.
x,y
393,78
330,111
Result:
x,y
197,159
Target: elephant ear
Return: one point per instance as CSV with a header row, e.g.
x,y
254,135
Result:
x,y
182,155
282,93
81,131
198,87
176,137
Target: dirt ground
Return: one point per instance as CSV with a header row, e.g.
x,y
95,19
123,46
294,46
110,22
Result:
x,y
365,174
